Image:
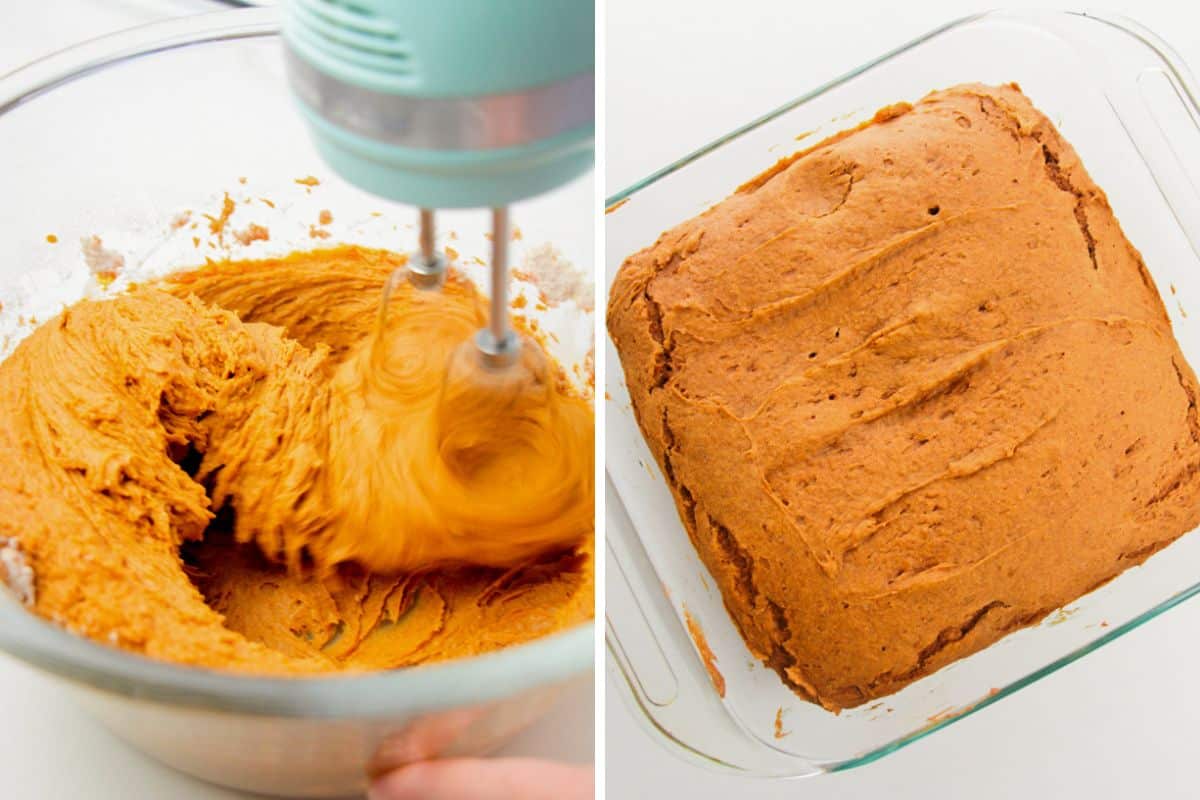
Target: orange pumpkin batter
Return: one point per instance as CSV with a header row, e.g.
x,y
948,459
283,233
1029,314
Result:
x,y
243,468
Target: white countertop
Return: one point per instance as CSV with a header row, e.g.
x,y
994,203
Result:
x,y
49,748
1119,723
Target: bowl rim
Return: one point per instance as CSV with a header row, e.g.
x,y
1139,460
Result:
x,y
473,680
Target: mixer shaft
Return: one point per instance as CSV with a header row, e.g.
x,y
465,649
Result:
x,y
427,268
427,234
498,344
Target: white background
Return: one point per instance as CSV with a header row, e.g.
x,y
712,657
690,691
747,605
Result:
x,y
49,749
1120,723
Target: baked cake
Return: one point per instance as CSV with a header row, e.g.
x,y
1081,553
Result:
x,y
912,389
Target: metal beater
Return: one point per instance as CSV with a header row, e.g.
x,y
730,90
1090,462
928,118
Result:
x,y
464,104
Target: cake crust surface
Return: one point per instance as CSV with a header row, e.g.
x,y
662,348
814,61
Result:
x,y
912,389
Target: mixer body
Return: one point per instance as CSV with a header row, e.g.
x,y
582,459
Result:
x,y
458,104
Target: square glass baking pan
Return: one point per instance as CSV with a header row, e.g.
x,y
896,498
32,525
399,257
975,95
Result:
x,y
1129,106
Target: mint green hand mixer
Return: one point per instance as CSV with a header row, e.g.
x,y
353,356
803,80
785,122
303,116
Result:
x,y
449,104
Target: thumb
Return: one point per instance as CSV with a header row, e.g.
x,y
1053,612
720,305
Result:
x,y
486,779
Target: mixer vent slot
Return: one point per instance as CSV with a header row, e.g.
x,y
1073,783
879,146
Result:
x,y
352,33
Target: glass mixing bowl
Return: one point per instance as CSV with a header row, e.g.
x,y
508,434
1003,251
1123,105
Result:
x,y
117,136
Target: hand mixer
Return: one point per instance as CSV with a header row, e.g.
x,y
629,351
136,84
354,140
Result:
x,y
450,104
